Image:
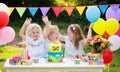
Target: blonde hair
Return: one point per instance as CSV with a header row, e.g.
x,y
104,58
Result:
x,y
32,26
50,30
78,35
53,28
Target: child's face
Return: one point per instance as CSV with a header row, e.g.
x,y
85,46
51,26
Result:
x,y
54,35
35,33
70,35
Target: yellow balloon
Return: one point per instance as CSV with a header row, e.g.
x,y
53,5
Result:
x,y
99,26
112,26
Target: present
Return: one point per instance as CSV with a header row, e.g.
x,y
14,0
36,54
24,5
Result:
x,y
16,60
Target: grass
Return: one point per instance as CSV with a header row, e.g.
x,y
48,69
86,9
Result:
x,y
7,52
10,51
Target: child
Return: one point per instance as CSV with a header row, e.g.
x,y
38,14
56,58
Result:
x,y
51,33
75,41
33,38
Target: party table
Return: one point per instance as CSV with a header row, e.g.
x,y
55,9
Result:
x,y
43,66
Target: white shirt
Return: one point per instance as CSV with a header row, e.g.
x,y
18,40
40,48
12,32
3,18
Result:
x,y
70,50
35,48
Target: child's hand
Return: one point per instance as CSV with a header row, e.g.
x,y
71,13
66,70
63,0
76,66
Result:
x,y
27,21
45,19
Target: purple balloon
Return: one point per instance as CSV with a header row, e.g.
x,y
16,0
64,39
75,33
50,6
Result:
x,y
115,7
111,13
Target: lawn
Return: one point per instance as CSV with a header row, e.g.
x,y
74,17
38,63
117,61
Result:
x,y
9,51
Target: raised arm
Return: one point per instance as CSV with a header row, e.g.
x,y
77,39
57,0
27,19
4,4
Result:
x,y
46,30
89,35
22,30
61,37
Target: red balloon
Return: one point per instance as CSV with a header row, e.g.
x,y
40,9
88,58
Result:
x,y
107,56
106,35
4,19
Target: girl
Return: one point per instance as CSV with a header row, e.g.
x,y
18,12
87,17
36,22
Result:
x,y
33,38
75,41
51,33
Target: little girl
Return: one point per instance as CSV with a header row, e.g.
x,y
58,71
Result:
x,y
75,41
51,33
33,38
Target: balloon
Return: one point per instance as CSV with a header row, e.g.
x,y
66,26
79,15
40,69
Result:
x,y
112,26
118,32
7,34
4,8
115,7
2,43
111,13
4,19
93,13
99,26
107,56
106,35
115,42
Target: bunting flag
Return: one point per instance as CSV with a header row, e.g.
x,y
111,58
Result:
x,y
80,9
115,7
57,10
21,10
103,8
44,10
33,10
11,10
92,14
69,9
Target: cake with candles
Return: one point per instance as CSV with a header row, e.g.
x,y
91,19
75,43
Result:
x,y
55,53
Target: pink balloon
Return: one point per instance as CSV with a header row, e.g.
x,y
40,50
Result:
x,y
2,43
118,32
7,34
113,13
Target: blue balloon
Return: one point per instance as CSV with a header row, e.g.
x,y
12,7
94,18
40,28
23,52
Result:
x,y
93,13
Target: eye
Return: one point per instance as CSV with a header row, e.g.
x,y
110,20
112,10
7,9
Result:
x,y
33,32
37,32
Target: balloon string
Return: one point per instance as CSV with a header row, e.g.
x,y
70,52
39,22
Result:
x,y
108,67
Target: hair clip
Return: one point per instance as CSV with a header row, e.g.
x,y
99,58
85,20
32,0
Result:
x,y
73,27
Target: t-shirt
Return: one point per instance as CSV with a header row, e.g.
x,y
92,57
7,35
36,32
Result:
x,y
70,50
35,48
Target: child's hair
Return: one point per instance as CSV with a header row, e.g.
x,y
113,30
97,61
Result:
x,y
51,29
32,26
78,35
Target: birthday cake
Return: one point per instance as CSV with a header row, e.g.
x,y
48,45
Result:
x,y
55,53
